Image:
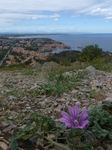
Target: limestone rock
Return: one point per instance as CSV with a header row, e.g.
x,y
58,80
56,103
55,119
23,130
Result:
x,y
3,125
91,70
108,100
3,146
57,111
43,104
78,103
7,129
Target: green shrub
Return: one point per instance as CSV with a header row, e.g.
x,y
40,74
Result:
x,y
64,57
2,54
91,52
66,62
97,63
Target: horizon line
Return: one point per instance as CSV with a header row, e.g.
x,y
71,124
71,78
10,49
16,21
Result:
x,y
26,33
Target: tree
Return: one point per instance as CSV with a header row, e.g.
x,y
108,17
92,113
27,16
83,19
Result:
x,y
90,52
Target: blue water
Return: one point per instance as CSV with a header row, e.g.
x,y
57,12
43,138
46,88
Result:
x,y
75,41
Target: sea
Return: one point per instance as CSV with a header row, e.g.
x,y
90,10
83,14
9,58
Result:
x,y
79,41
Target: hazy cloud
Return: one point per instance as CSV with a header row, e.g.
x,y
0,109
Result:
x,y
12,11
40,5
56,19
7,18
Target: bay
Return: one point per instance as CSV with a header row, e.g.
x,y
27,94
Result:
x,y
79,41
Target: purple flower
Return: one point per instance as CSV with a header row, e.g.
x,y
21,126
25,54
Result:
x,y
15,127
30,117
72,119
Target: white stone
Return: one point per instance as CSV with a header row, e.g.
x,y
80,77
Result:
x,y
108,100
91,70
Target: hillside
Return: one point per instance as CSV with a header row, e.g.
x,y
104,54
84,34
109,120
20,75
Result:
x,y
32,100
26,91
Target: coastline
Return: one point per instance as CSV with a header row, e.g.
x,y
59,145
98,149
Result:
x,y
79,40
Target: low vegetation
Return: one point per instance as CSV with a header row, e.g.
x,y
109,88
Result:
x,y
90,55
65,58
3,53
49,133
58,83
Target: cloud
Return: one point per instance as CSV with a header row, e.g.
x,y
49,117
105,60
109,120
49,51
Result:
x,y
40,5
11,18
106,12
102,9
43,16
56,19
14,11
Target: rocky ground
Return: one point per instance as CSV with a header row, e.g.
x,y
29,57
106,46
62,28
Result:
x,y
17,99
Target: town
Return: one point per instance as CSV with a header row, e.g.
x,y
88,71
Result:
x,y
29,50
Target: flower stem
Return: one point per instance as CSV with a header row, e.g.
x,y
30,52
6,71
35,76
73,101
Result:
x,y
53,142
57,144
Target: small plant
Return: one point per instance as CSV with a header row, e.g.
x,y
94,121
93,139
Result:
x,y
87,132
8,85
38,125
14,92
59,83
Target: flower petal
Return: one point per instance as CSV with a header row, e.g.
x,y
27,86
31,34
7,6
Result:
x,y
74,111
84,123
83,115
66,122
65,115
66,119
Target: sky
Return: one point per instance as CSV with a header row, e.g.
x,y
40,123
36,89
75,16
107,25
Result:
x,y
55,16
